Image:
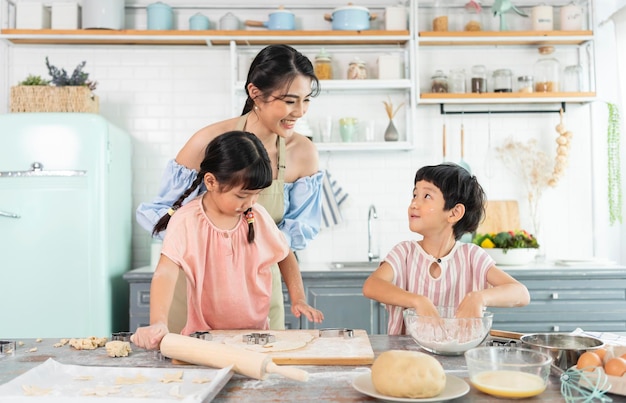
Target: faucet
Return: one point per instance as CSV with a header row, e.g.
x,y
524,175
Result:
x,y
371,214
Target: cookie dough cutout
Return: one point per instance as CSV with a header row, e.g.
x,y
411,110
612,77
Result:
x,y
201,380
84,378
131,381
140,392
175,377
101,391
285,341
32,390
408,374
118,348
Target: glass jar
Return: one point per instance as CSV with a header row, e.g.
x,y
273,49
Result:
x,y
547,71
503,80
573,78
525,84
323,65
439,83
440,16
479,79
572,17
472,16
457,81
357,69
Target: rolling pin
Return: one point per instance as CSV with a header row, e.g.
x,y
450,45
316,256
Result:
x,y
218,355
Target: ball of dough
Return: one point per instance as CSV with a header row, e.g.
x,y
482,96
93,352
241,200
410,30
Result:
x,y
410,374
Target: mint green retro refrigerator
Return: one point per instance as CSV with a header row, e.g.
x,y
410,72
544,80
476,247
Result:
x,y
65,225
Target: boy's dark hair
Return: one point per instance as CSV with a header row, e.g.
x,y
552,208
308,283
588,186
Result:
x,y
457,186
235,158
275,67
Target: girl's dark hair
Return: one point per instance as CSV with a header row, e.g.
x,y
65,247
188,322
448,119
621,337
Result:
x,y
235,158
457,186
275,67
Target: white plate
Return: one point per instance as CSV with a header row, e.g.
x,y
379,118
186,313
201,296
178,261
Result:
x,y
455,387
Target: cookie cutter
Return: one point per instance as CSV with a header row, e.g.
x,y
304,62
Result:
x,y
202,335
7,347
337,332
259,338
121,336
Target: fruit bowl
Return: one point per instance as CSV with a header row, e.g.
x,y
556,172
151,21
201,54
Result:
x,y
512,257
447,335
508,372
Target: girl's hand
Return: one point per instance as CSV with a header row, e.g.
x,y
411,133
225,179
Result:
x,y
471,307
425,307
302,308
149,337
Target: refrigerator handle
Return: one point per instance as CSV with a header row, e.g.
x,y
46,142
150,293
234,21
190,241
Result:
x,y
7,214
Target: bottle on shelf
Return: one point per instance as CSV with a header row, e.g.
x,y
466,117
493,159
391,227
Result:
x,y
457,81
503,80
324,65
525,84
440,16
547,71
439,82
357,70
479,79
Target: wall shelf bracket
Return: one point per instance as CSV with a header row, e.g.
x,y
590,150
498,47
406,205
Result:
x,y
443,111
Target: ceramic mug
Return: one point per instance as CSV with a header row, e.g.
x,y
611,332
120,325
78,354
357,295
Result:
x,y
160,16
347,129
199,22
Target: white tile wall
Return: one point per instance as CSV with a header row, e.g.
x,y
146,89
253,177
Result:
x,y
161,95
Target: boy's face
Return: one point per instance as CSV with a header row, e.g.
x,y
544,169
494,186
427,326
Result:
x,y
426,210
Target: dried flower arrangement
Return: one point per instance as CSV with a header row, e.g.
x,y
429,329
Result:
x,y
535,166
389,108
78,77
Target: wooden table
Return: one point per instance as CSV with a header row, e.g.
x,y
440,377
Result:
x,y
326,383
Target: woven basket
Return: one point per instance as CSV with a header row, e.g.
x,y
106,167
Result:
x,y
41,98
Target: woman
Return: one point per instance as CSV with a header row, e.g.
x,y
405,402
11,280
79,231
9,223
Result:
x,y
280,84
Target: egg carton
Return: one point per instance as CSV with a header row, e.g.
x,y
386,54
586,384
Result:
x,y
615,384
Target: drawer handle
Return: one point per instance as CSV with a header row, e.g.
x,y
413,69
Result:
x,y
555,295
556,328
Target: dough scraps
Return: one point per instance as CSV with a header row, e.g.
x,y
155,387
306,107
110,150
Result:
x,y
101,390
285,341
61,343
90,343
131,381
175,377
32,390
118,348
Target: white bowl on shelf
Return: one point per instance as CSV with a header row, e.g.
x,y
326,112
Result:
x,y
512,257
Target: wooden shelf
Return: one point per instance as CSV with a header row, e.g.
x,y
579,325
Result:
x,y
211,37
506,97
429,38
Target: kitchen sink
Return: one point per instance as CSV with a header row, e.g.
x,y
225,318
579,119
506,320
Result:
x,y
355,265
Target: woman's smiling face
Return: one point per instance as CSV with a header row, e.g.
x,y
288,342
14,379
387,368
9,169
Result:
x,y
283,108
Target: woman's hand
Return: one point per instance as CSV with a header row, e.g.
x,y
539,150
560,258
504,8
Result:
x,y
302,308
149,337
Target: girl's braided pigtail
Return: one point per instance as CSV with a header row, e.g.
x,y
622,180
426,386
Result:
x,y
161,225
250,218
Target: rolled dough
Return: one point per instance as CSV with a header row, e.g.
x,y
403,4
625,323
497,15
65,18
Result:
x,y
285,341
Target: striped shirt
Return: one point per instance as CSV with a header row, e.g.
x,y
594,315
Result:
x,y
463,270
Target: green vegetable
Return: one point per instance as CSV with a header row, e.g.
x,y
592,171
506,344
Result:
x,y
506,240
34,80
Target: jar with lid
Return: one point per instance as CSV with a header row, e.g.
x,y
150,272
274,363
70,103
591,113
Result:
x,y
547,71
473,16
503,80
456,84
573,79
440,16
323,65
357,69
525,84
479,79
439,83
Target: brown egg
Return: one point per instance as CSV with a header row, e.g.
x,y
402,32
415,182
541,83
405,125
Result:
x,y
615,366
588,361
601,352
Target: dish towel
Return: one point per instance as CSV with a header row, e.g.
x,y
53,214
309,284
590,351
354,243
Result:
x,y
332,197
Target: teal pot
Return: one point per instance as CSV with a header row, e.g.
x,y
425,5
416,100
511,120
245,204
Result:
x,y
350,18
160,16
199,22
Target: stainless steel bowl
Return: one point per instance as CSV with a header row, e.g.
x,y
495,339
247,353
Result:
x,y
563,348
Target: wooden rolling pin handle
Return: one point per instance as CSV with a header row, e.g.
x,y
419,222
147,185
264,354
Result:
x,y
288,372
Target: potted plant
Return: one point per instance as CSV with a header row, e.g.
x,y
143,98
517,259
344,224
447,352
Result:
x,y
63,93
509,247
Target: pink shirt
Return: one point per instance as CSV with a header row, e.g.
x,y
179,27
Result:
x,y
229,281
463,270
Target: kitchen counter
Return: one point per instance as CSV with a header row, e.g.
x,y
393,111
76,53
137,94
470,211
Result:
x,y
326,383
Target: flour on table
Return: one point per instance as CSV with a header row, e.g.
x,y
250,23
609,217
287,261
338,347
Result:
x,y
140,392
175,392
32,390
175,377
285,341
120,380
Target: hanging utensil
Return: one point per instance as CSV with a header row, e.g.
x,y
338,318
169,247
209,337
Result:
x,y
444,142
462,161
490,151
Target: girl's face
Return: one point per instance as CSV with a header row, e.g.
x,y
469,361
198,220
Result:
x,y
426,213
232,202
284,107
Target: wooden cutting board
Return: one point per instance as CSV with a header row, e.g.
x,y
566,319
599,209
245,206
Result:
x,y
501,215
320,351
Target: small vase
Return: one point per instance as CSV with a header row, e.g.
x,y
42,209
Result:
x,y
391,133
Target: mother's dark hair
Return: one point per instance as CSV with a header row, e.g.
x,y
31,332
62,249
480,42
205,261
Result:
x,y
275,67
457,186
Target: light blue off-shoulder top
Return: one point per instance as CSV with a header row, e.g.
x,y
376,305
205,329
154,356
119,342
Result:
x,y
303,203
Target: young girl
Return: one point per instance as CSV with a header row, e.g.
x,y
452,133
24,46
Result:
x,y
222,241
439,270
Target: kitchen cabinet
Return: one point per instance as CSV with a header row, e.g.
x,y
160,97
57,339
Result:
x,y
496,48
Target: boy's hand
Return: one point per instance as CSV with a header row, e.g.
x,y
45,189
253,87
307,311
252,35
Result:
x,y
302,308
149,337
